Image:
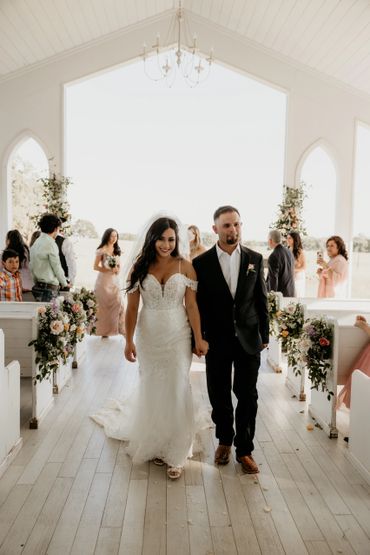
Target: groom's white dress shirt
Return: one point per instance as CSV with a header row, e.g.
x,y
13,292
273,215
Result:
x,y
230,265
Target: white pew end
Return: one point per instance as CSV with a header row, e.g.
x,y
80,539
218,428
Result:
x,y
10,440
359,427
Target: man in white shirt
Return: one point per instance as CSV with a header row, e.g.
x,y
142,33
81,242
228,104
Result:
x,y
232,301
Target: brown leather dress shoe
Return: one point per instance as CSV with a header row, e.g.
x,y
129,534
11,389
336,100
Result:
x,y
248,463
222,455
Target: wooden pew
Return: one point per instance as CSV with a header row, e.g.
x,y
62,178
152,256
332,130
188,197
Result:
x,y
10,440
359,429
19,328
344,310
19,334
347,344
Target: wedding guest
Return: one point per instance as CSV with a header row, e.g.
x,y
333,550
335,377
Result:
x,y
10,279
195,242
67,256
280,276
295,245
110,315
333,275
362,363
35,235
14,241
45,265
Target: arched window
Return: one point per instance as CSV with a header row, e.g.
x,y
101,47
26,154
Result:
x,y
319,174
26,165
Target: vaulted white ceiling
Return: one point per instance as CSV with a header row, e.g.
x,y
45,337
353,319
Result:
x,y
329,36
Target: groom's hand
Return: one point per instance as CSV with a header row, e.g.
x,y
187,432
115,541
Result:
x,y
130,352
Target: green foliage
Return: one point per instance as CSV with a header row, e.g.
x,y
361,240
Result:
x,y
84,228
54,200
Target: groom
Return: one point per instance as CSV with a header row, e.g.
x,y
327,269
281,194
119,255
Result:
x,y
233,307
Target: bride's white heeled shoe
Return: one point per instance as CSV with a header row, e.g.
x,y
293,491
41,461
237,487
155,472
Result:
x,y
174,472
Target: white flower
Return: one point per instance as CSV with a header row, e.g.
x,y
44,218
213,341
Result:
x,y
90,303
73,327
56,327
41,310
290,308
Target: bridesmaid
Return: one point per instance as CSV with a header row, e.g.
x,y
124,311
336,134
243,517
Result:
x,y
195,242
295,245
110,315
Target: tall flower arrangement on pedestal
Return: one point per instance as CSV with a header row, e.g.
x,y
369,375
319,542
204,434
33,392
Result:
x,y
54,199
290,211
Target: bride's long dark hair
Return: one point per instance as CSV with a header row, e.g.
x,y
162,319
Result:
x,y
148,253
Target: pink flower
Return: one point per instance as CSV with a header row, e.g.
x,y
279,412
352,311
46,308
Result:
x,y
324,342
76,307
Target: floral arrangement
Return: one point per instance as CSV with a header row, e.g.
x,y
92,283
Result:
x,y
54,200
62,324
273,302
53,340
315,348
290,324
90,305
290,211
111,262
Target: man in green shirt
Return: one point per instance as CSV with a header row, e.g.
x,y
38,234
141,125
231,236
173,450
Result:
x,y
47,271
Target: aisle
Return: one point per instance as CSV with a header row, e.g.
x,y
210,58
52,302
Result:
x,y
72,490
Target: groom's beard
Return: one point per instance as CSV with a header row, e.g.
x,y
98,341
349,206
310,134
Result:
x,y
232,240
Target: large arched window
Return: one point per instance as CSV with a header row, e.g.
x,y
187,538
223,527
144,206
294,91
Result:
x,y
26,165
319,174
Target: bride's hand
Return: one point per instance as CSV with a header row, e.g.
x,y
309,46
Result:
x,y
130,352
201,348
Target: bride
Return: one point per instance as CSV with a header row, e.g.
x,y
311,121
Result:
x,y
161,426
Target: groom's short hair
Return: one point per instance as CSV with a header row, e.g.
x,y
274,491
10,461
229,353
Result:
x,y
223,210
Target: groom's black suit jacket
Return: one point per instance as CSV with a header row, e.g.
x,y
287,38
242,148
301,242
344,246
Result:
x,y
223,317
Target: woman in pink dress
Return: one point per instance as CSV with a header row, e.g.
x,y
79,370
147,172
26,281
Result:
x,y
361,363
333,274
110,315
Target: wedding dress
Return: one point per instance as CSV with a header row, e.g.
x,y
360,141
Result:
x,y
158,419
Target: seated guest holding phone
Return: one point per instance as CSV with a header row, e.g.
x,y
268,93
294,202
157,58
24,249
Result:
x,y
10,279
333,274
45,264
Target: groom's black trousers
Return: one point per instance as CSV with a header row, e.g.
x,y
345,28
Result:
x,y
219,362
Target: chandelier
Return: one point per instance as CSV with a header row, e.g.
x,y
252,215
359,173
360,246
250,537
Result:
x,y
164,65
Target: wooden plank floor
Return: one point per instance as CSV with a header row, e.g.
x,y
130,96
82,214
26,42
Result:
x,y
72,490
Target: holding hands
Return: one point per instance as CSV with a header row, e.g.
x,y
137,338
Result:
x,y
201,348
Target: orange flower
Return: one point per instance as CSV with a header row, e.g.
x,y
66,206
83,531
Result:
x,y
285,333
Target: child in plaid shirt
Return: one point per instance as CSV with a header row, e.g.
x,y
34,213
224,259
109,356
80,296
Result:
x,y
10,279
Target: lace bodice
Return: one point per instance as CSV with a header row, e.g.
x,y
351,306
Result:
x,y
157,296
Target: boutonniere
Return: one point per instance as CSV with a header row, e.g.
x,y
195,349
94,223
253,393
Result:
x,y
251,269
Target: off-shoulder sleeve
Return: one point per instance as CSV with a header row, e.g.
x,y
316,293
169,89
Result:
x,y
135,287
191,283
